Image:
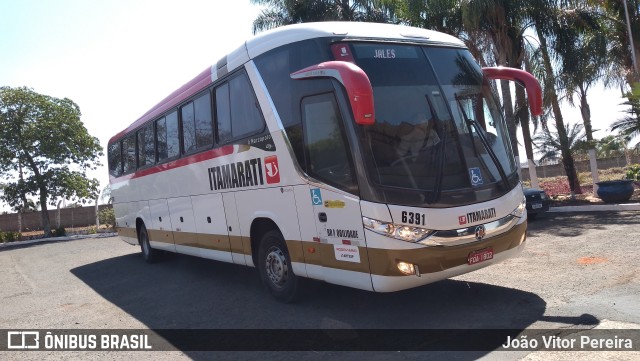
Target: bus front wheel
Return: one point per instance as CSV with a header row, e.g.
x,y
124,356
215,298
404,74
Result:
x,y
274,266
149,254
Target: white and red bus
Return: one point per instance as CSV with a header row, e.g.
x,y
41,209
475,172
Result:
x,y
372,156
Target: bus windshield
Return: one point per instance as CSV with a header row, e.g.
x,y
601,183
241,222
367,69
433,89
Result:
x,y
439,138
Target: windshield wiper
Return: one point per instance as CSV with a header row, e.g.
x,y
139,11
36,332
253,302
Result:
x,y
485,142
437,190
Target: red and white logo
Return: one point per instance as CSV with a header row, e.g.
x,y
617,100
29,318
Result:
x,y
271,169
462,220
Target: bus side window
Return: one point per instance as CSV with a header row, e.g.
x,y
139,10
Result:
x,y
188,128
146,146
167,138
173,137
129,154
223,113
245,114
237,112
327,155
203,124
161,139
115,160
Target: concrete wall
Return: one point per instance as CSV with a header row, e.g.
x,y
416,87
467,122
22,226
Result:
x,y
69,217
556,170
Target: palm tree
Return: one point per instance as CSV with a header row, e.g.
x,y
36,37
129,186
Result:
x,y
545,15
619,38
286,12
500,23
629,126
550,145
580,43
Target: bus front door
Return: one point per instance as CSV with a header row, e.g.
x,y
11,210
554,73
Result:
x,y
341,242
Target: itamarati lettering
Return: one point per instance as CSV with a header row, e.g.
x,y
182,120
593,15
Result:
x,y
481,215
236,175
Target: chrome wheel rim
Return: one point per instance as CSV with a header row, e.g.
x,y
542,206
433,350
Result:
x,y
276,267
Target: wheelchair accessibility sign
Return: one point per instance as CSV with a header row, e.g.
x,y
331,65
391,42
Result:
x,y
316,197
476,177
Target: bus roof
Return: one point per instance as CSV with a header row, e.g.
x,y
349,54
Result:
x,y
285,35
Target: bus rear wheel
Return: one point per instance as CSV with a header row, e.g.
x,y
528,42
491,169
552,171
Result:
x,y
149,254
274,266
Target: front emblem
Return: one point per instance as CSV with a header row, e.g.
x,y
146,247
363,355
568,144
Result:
x,y
480,232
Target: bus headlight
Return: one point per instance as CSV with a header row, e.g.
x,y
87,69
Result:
x,y
520,209
397,231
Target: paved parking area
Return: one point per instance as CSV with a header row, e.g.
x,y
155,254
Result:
x,y
579,271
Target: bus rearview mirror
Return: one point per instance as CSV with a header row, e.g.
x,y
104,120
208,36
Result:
x,y
355,81
534,92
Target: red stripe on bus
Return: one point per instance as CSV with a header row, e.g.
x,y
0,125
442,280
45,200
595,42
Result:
x,y
192,159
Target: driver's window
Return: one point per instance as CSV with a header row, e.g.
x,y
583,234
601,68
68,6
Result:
x,y
326,150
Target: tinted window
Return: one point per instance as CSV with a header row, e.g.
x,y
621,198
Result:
x,y
223,113
146,146
325,144
203,124
115,159
129,154
276,65
167,140
246,118
173,139
188,128
161,138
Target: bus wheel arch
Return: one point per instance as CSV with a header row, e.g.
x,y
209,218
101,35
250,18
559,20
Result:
x,y
271,256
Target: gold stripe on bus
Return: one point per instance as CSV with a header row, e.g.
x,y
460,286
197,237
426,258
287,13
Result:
x,y
296,250
435,259
215,242
323,254
372,260
202,240
127,232
237,244
160,236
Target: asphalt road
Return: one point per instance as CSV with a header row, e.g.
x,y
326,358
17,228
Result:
x,y
578,271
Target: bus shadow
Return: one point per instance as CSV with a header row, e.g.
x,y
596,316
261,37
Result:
x,y
185,292
575,224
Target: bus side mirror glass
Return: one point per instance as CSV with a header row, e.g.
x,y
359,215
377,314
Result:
x,y
355,81
534,92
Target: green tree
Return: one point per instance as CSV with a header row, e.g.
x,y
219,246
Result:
x,y
286,12
550,145
545,14
629,126
500,25
619,40
45,137
581,44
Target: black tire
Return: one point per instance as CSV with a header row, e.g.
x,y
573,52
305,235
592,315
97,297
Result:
x,y
274,267
149,254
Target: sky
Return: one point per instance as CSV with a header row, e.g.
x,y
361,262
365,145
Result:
x,y
118,58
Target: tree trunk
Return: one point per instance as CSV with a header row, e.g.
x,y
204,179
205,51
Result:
x,y
44,213
567,158
507,103
585,111
523,117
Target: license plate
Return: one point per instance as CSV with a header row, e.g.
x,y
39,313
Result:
x,y
536,205
480,256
